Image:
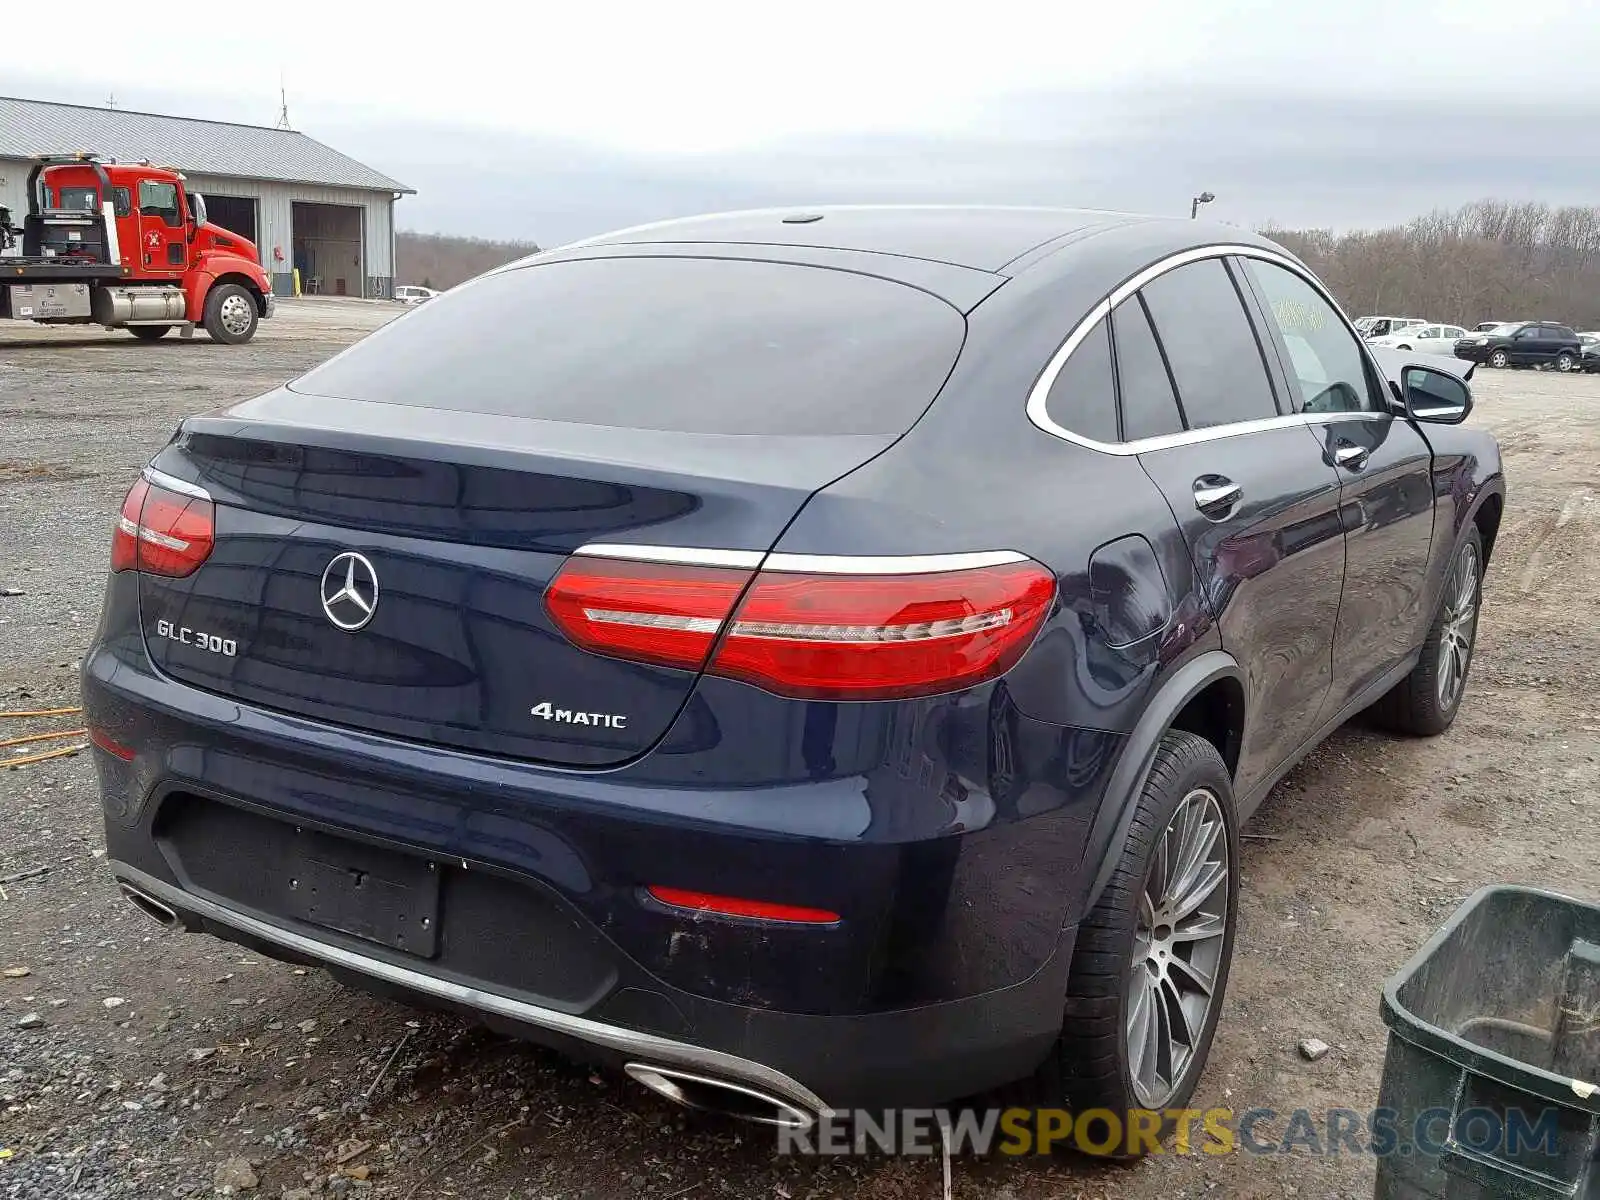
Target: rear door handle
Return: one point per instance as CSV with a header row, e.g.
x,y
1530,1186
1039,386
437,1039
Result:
x,y
1214,495
1348,454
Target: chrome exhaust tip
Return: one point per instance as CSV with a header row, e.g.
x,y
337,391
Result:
x,y
149,906
720,1096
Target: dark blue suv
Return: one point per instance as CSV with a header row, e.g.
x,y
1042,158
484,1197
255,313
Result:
x,y
807,660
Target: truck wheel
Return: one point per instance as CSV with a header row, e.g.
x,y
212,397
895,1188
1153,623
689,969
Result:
x,y
149,333
1499,360
1426,701
230,314
1151,961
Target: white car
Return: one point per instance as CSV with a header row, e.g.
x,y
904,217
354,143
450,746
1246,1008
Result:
x,y
1376,327
413,293
1424,339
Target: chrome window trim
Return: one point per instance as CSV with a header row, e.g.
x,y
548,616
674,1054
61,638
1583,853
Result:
x,y
683,556
813,564
172,483
1039,395
899,564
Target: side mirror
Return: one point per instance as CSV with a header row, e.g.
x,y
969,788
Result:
x,y
1435,396
197,208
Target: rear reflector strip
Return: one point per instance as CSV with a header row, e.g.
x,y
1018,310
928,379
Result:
x,y
728,906
833,634
110,745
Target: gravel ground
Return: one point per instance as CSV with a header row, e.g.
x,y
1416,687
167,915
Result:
x,y
160,1064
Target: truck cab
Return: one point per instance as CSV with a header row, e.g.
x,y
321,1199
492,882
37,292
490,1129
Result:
x,y
128,245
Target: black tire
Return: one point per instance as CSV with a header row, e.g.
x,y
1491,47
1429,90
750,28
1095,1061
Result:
x,y
1402,347
149,333
1499,360
1563,362
231,315
1092,1065
1418,705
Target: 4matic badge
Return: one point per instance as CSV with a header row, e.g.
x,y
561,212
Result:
x,y
569,716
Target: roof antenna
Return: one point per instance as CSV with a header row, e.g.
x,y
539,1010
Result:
x,y
283,111
111,100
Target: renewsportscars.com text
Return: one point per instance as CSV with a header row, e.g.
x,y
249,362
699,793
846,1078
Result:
x,y
1379,1132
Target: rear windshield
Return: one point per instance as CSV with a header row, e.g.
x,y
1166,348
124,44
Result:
x,y
710,346
80,199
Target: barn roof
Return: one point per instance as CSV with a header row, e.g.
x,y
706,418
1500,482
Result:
x,y
31,127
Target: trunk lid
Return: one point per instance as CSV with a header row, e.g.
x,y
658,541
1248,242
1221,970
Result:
x,y
460,543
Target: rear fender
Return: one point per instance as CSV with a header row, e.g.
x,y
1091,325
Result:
x,y
1103,847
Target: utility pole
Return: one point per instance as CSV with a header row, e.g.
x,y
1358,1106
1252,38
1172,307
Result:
x,y
1194,205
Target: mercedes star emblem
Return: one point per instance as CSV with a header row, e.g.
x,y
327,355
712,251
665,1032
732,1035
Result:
x,y
350,591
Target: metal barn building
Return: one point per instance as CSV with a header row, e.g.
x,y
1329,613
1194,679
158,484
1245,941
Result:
x,y
303,204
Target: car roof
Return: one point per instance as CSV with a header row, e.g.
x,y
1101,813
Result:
x,y
961,253
984,238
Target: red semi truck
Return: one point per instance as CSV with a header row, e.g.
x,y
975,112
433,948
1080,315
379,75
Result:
x,y
127,245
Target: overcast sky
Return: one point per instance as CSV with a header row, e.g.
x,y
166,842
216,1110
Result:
x,y
523,121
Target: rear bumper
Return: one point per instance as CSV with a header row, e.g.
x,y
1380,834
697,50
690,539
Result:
x,y
936,1053
200,914
946,977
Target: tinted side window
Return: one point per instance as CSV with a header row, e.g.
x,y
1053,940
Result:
x,y
1210,345
1083,398
1326,365
1149,405
684,345
122,201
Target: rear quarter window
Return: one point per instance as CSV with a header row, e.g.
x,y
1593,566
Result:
x,y
706,346
1083,397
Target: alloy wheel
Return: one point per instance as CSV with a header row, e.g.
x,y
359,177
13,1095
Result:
x,y
235,314
1460,625
1177,948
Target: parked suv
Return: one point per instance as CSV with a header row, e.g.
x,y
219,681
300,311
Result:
x,y
768,660
1523,344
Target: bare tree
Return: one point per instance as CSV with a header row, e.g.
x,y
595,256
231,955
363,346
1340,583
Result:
x,y
447,261
1490,260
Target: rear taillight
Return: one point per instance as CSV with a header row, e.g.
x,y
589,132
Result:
x,y
659,613
829,633
162,532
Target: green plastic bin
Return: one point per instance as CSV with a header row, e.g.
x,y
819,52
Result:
x,y
1493,1060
